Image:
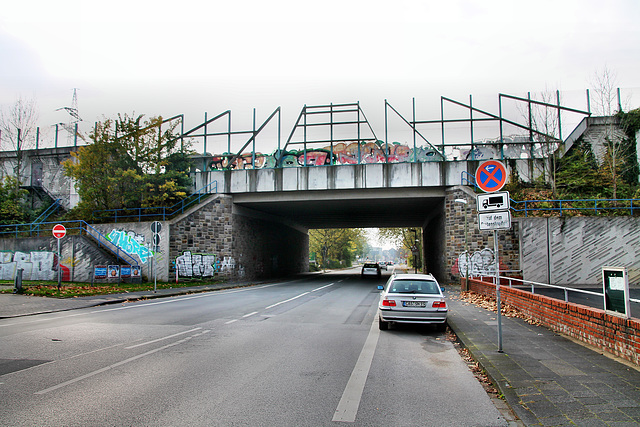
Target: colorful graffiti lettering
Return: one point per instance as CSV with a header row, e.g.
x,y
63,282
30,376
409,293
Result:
x,y
131,243
340,153
191,265
36,265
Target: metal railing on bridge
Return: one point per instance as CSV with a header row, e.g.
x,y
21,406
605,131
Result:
x,y
563,207
157,212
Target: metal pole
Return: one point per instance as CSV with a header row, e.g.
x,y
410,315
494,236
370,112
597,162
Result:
x,y
498,302
471,123
204,151
59,267
414,131
559,111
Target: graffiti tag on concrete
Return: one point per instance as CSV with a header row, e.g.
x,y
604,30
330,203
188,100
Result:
x,y
131,243
199,266
36,265
480,263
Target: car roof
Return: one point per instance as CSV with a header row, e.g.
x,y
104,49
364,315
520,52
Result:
x,y
412,276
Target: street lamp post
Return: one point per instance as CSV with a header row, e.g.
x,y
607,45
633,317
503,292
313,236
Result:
x,y
466,249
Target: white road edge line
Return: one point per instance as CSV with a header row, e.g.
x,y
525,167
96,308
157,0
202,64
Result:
x,y
162,339
298,296
348,407
115,365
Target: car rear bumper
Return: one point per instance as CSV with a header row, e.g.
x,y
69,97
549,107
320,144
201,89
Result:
x,y
401,316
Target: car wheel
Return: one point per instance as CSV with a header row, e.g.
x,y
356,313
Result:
x,y
382,324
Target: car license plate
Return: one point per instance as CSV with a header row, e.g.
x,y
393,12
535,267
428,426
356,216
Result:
x,y
413,304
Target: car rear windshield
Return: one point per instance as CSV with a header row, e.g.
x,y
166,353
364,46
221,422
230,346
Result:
x,y
370,266
414,287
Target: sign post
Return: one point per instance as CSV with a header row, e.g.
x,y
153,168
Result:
x,y
493,214
156,226
59,231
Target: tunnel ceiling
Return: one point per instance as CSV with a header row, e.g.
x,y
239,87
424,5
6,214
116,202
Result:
x,y
348,209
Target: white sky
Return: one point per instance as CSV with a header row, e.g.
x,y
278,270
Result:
x,y
187,57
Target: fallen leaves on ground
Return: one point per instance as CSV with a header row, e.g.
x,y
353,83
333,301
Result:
x,y
489,303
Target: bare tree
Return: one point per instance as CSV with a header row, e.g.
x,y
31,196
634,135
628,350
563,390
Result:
x,y
542,118
18,130
612,139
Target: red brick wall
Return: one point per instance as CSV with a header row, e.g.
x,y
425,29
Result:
x,y
614,334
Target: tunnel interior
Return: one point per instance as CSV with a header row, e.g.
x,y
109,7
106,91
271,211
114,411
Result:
x,y
385,208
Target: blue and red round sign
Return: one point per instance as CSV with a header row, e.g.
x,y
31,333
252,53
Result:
x,y
491,176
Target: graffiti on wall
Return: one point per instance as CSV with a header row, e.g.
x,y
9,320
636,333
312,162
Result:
x,y
35,265
480,263
200,266
131,243
339,154
196,266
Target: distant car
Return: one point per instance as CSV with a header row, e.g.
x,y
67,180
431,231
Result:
x,y
371,269
383,265
412,298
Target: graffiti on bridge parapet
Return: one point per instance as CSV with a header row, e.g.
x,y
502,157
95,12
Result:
x,y
340,154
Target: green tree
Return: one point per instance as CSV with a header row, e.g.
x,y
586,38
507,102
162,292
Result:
x,y
405,239
336,244
130,163
12,202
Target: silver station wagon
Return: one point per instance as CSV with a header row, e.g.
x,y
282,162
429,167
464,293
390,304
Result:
x,y
412,298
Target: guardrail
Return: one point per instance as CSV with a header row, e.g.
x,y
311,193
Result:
x,y
159,212
533,285
595,205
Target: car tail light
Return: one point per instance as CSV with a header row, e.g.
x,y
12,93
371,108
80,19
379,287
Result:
x,y
388,303
439,304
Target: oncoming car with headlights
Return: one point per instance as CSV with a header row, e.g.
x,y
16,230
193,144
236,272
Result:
x,y
412,298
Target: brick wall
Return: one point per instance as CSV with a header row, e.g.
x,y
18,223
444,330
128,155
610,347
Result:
x,y
478,241
613,334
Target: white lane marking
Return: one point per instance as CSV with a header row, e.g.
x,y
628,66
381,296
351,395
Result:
x,y
298,296
162,339
231,321
115,365
250,314
348,407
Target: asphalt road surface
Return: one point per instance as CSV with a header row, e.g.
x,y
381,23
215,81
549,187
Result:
x,y
298,353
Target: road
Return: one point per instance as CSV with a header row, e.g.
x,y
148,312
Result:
x,y
296,353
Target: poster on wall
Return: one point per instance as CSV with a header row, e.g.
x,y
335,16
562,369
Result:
x,y
99,271
125,271
135,272
113,271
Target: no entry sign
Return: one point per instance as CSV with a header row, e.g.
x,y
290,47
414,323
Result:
x,y
59,231
491,176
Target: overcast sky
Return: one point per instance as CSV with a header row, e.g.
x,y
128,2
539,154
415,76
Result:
x,y
187,57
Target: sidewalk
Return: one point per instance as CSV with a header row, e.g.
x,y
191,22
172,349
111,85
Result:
x,y
546,379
